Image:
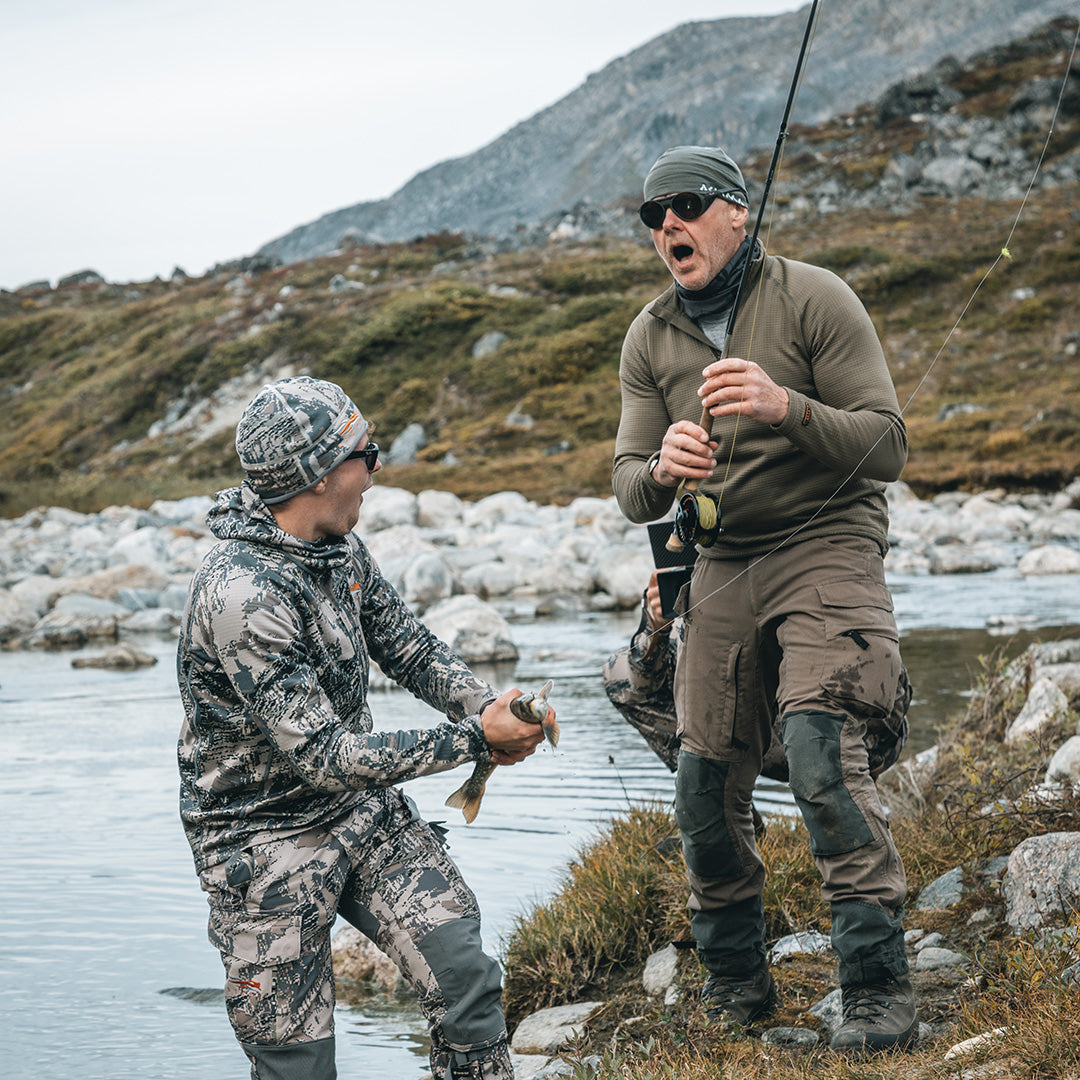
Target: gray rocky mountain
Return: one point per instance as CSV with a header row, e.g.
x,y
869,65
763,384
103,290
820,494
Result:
x,y
723,81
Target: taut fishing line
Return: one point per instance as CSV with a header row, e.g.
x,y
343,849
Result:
x,y
1004,253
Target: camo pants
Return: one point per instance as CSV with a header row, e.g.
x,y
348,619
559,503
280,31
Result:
x,y
272,909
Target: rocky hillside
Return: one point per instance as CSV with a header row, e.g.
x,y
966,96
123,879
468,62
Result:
x,y
723,81
496,364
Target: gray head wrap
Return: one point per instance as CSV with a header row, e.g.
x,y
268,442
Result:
x,y
293,433
704,169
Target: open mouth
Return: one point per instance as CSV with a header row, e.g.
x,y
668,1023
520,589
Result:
x,y
682,252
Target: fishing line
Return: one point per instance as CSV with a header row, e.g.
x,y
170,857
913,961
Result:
x,y
1004,253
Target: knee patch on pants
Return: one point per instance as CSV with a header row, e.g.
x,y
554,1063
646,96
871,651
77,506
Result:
x,y
813,746
700,813
292,1061
470,983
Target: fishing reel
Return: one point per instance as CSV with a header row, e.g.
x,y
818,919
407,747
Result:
x,y
697,521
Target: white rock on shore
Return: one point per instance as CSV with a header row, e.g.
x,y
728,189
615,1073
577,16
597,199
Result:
x,y
503,549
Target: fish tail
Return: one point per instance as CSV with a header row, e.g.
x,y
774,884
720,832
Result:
x,y
551,731
469,806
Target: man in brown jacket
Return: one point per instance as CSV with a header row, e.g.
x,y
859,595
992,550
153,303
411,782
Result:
x,y
788,614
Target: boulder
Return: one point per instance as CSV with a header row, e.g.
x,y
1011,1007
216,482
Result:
x,y
356,957
473,629
1049,559
122,657
1045,704
1043,880
547,1030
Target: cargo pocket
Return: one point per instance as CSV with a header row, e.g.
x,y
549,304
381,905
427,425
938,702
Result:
x,y
861,661
255,952
707,706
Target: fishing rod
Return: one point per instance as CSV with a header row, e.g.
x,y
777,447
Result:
x,y
697,518
1005,254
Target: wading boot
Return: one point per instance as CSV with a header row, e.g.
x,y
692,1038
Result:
x,y
878,1016
739,999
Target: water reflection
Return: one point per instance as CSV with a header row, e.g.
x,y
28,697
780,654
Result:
x,y
102,908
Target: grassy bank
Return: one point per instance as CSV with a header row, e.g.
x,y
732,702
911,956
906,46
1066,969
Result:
x,y
625,896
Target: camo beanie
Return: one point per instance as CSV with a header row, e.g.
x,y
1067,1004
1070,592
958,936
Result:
x,y
697,168
293,433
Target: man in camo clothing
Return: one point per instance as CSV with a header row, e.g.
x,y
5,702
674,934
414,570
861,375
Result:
x,y
286,794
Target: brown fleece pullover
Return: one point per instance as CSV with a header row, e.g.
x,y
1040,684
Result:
x,y
823,469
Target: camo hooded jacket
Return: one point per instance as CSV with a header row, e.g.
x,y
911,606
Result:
x,y
273,672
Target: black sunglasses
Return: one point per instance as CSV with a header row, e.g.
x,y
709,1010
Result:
x,y
688,205
370,454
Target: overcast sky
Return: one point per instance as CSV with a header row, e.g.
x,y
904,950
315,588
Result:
x,y
139,135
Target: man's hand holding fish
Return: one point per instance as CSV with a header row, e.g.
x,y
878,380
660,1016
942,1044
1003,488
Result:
x,y
511,740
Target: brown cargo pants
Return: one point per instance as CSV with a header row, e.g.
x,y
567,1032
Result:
x,y
806,632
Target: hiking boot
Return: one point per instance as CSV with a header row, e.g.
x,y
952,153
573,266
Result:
x,y
878,1016
739,999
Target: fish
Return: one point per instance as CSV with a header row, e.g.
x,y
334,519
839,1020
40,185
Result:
x,y
531,708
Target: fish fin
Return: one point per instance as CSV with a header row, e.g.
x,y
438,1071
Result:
x,y
468,807
551,731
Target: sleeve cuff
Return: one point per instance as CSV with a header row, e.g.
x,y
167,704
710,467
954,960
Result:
x,y
478,745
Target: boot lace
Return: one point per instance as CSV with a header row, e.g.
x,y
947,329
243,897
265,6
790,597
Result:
x,y
871,1001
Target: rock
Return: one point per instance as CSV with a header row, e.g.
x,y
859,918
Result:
x,y
64,630
588,1066
660,971
472,628
790,1038
1050,559
942,892
970,1046
427,581
622,573
517,419
438,509
1045,704
407,445
808,943
488,344
81,277
1064,766
931,958
122,657
547,1030
16,617
357,957
492,579
158,620
385,507
829,1010
80,604
527,1066
929,942
1043,880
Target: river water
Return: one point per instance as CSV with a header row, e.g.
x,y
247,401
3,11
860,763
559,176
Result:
x,y
106,970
